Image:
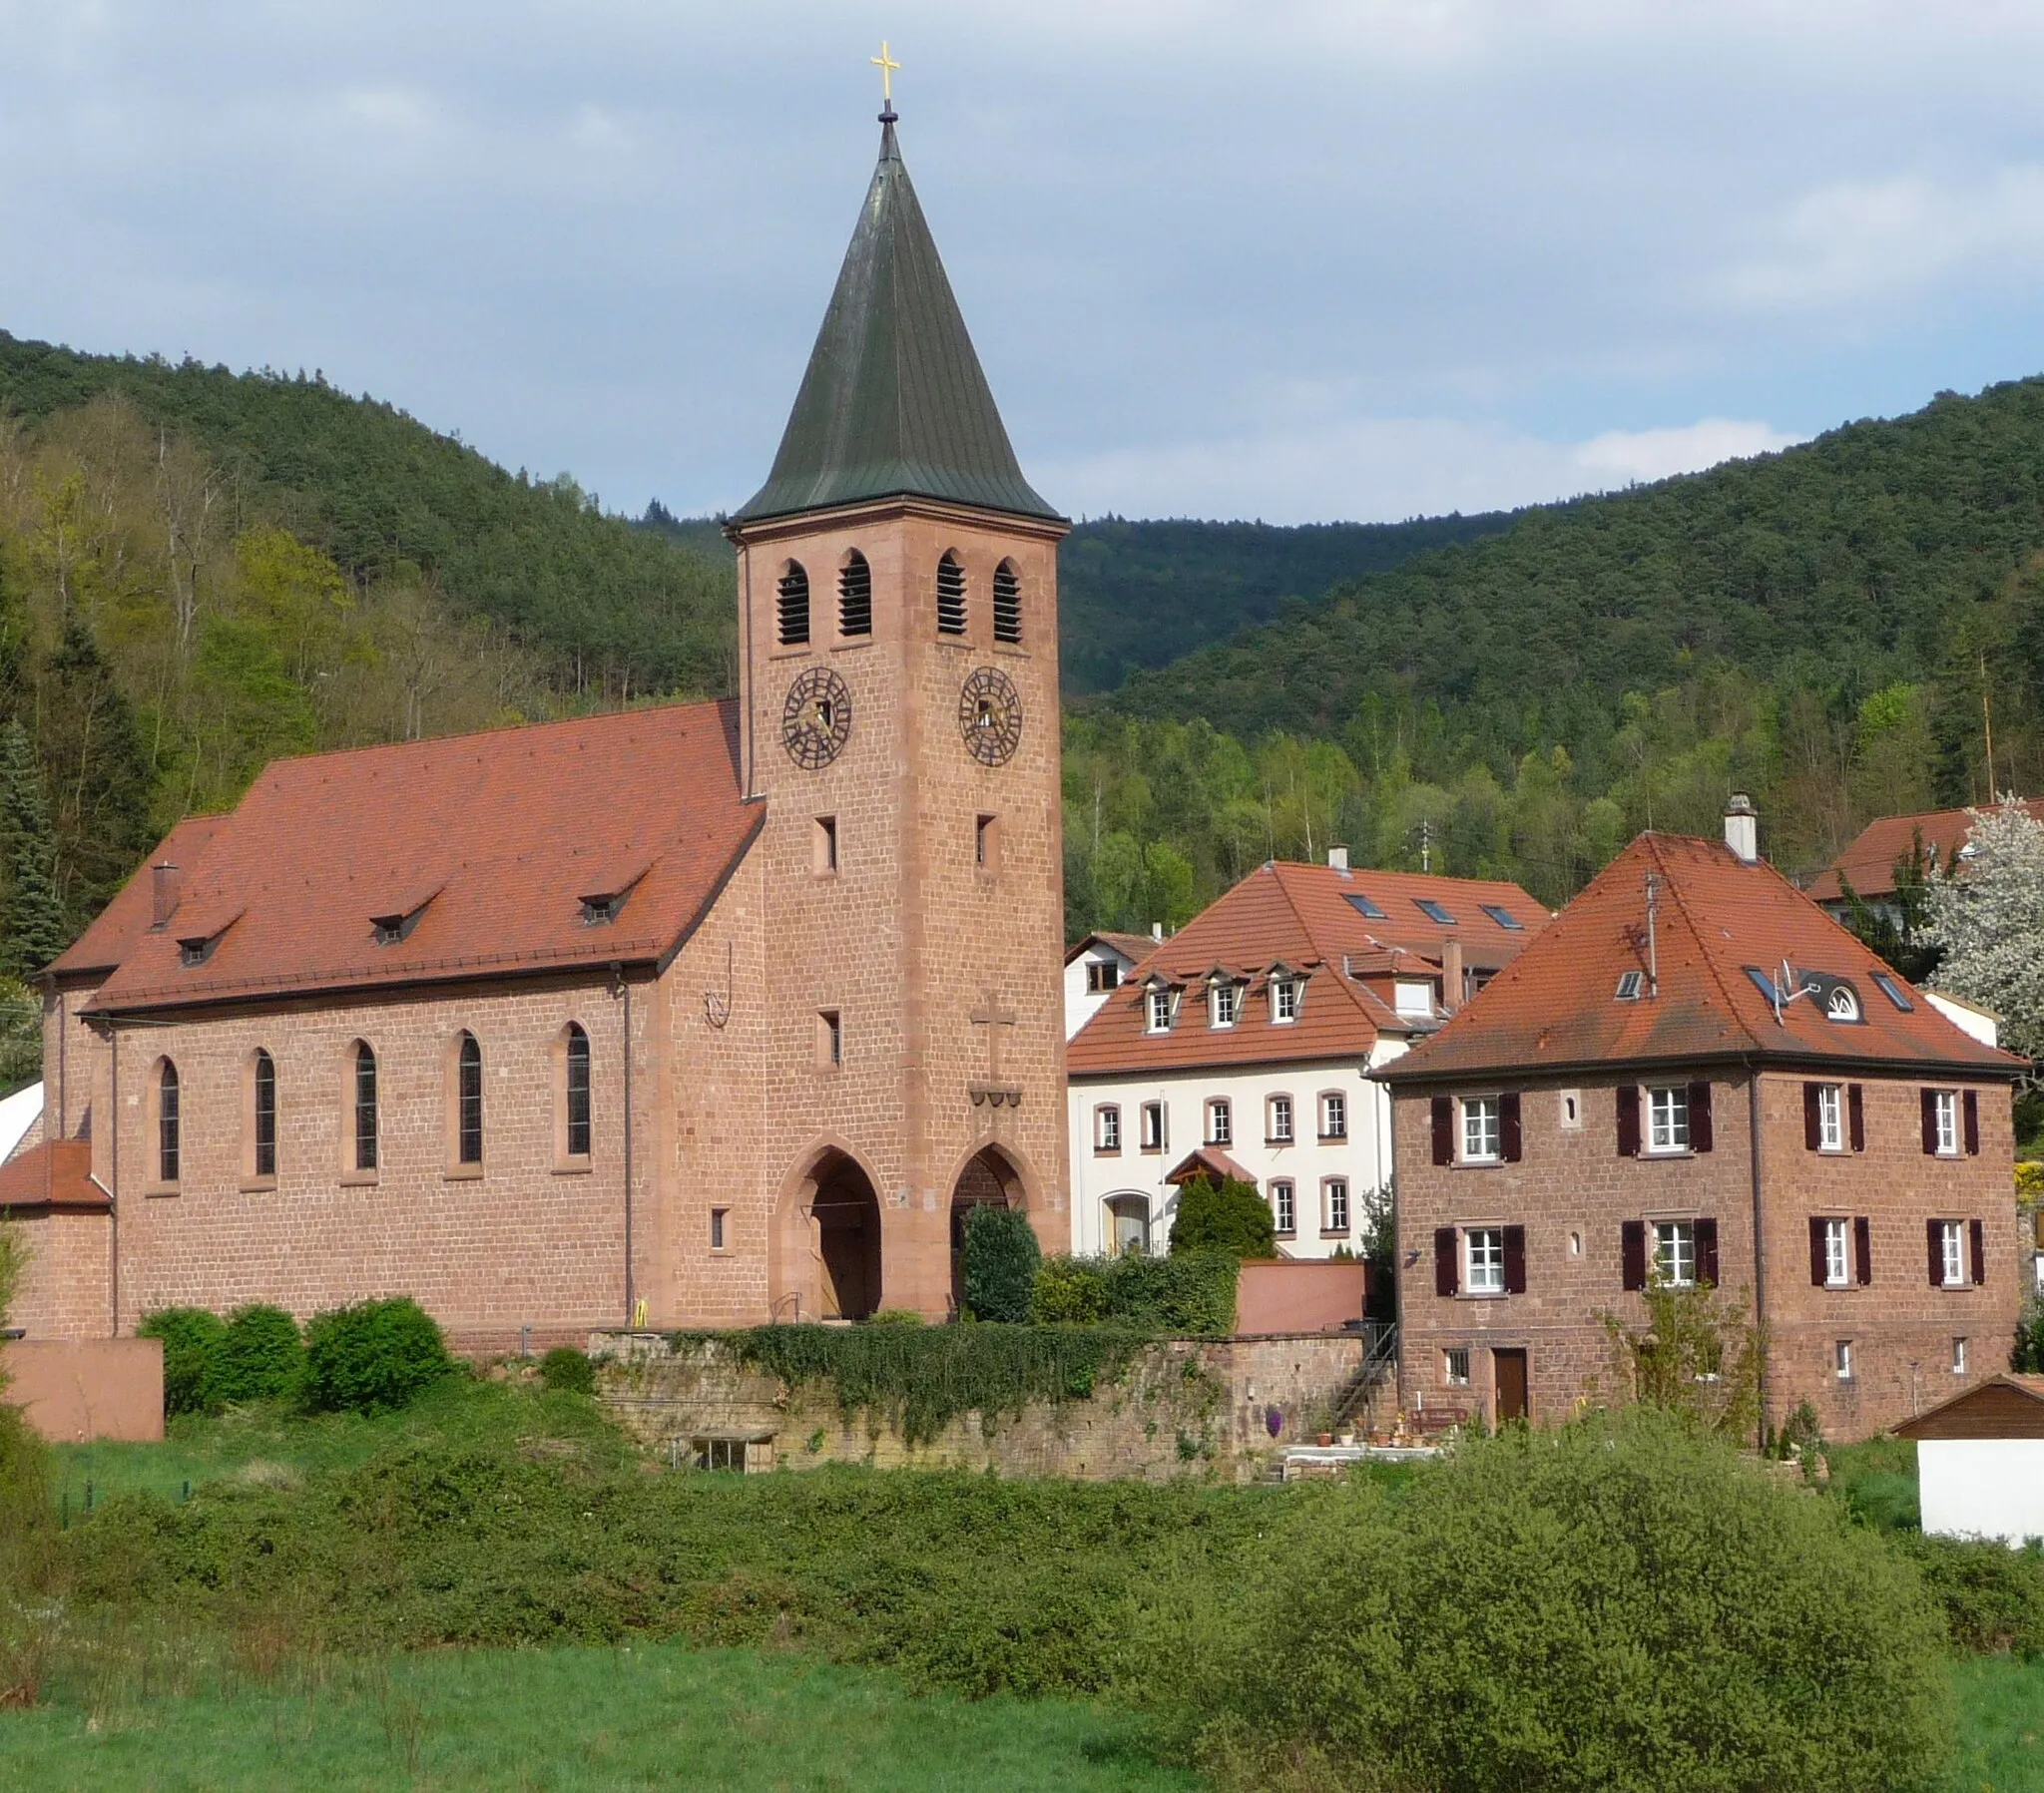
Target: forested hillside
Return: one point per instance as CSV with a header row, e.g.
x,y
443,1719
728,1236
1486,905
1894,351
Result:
x,y
1834,629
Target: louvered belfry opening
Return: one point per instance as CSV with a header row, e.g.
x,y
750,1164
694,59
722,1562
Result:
x,y
795,605
1007,603
855,596
950,596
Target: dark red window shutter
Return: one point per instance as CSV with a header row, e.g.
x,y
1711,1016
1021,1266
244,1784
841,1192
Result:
x,y
1631,1242
1706,1249
1628,1121
1444,1131
1700,1118
1510,1143
1446,1278
1862,1249
1855,1113
1816,1250
1929,1122
1813,1126
1979,1242
1935,1233
1515,1259
1972,1102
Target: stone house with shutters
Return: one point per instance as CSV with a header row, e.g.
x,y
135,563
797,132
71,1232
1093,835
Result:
x,y
1694,1075
700,1013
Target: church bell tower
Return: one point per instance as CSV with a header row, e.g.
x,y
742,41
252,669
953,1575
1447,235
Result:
x,y
897,589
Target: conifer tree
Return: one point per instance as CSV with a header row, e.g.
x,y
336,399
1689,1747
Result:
x,y
98,775
32,930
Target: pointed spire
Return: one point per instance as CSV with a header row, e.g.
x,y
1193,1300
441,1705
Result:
x,y
894,402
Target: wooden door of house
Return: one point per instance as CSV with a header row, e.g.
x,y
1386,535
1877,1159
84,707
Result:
x,y
1510,1369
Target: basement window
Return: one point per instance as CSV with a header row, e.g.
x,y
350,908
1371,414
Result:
x,y
717,1454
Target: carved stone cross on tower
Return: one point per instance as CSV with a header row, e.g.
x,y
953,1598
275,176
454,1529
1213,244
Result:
x,y
994,1018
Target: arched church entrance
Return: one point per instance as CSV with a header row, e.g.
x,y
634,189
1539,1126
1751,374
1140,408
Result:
x,y
827,1243
989,1179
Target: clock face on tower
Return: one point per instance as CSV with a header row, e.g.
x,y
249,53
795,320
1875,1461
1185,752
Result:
x,y
816,721
990,715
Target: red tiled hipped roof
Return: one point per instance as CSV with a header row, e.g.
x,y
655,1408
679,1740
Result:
x,y
1299,916
1209,1161
499,836
1556,1004
122,924
1870,862
54,1175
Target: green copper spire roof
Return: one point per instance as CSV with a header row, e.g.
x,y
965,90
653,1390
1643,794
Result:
x,y
893,401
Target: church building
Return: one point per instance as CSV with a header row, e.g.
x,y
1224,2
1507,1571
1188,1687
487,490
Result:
x,y
698,1014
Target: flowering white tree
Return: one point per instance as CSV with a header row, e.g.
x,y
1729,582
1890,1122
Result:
x,y
1988,916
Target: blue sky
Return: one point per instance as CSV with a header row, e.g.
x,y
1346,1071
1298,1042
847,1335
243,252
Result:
x,y
1298,261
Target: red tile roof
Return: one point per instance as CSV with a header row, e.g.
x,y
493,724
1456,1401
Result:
x,y
122,924
1211,1163
499,835
1555,1006
1870,862
54,1175
1130,946
1301,916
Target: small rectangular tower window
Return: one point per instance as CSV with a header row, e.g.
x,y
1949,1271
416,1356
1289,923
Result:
x,y
855,596
718,1221
830,1039
793,605
1007,603
950,596
986,843
824,846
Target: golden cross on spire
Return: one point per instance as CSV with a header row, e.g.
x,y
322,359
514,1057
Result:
x,y
888,69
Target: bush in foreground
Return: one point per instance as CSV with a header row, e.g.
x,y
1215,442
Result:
x,y
258,1357
189,1335
1191,1294
1625,1606
1001,1256
1228,1216
373,1357
568,1371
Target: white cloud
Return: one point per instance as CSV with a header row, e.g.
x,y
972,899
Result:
x,y
1380,470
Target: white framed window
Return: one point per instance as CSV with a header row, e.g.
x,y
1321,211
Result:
x,y
1333,1116
1158,1003
1959,1357
1838,1254
1947,1123
1107,1128
1283,1001
1668,1119
1831,1116
1455,1366
1484,1249
1334,1203
1281,1120
1952,1242
1223,1002
1283,1208
1411,998
1150,1117
1571,1110
1220,1122
1481,1135
1842,1359
1675,1252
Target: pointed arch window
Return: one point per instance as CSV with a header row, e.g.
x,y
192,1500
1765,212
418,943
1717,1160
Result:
x,y
578,1091
469,1117
363,1101
793,602
951,595
855,596
169,1140
1007,603
266,1114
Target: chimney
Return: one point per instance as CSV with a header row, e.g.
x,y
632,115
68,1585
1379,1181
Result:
x,y
1337,857
1155,930
1451,975
1743,828
166,884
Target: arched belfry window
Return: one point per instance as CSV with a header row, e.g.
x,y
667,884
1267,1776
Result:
x,y
578,1091
469,1101
950,596
266,1114
855,596
363,1100
795,605
1007,603
167,1129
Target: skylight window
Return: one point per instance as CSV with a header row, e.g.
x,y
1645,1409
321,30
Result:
x,y
1764,983
1433,911
1363,906
1629,986
1893,992
1502,916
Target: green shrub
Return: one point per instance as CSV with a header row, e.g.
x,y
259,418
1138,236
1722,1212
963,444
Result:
x,y
1228,1216
189,1335
257,1357
1191,1294
895,1316
568,1371
373,1357
1992,1596
1625,1605
1001,1256
1070,1292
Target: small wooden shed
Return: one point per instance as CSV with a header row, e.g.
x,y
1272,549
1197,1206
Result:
x,y
1980,1461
